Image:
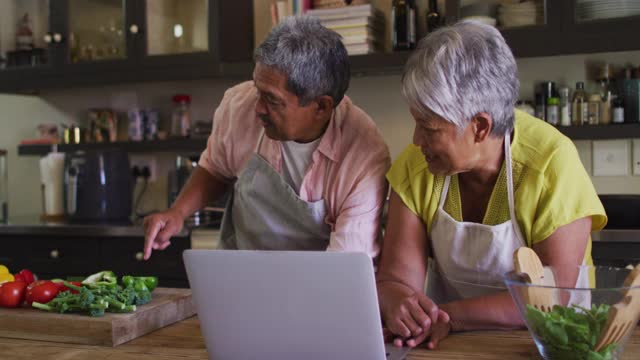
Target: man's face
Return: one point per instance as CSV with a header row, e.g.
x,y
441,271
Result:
x,y
279,110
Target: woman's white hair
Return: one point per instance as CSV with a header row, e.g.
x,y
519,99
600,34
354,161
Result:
x,y
461,70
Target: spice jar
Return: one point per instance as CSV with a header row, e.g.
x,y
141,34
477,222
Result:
x,y
181,117
595,102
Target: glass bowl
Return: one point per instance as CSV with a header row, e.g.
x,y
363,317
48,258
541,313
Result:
x,y
580,310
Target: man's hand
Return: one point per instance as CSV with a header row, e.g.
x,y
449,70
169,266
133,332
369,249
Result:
x,y
158,230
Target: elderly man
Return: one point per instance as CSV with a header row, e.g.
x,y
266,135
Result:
x,y
306,165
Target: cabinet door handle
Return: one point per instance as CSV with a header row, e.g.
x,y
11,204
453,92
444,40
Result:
x,y
48,38
54,254
57,38
134,29
139,256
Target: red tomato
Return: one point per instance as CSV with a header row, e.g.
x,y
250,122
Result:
x,y
41,291
62,288
26,276
12,293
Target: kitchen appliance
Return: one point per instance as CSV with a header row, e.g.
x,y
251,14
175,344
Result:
x,y
4,187
211,215
98,186
52,177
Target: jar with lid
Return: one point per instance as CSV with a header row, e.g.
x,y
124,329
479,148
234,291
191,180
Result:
x,y
181,116
553,105
595,103
565,107
4,188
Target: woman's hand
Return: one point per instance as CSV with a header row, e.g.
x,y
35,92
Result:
x,y
405,312
437,333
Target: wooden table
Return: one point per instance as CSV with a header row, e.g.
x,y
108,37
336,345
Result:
x,y
184,341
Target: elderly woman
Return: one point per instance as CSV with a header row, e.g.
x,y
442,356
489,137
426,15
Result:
x,y
480,180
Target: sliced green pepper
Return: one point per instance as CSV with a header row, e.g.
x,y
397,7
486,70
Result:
x,y
103,278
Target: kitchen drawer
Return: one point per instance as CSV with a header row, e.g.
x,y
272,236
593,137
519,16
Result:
x,y
14,253
67,257
124,256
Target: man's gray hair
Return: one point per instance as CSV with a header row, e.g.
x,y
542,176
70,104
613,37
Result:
x,y
312,57
461,70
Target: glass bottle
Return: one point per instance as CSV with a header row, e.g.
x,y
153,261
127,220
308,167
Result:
x,y
434,18
403,27
579,108
618,110
4,188
565,107
595,104
181,116
553,105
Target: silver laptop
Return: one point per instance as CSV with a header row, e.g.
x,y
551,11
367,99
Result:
x,y
287,305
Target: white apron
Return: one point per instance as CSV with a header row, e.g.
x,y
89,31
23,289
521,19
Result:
x,y
470,259
265,213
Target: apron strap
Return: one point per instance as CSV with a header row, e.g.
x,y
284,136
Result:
x,y
510,187
445,191
259,144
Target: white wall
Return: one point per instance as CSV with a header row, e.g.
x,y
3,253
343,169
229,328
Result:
x,y
19,116
379,96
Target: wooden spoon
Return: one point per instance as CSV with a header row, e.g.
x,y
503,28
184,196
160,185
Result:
x,y
622,316
527,262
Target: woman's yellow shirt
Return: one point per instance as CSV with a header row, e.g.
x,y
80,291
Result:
x,y
552,187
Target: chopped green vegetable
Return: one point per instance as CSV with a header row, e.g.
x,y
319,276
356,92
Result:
x,y
571,332
149,282
101,279
95,299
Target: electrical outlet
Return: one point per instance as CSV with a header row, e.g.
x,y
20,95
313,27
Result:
x,y
148,161
611,158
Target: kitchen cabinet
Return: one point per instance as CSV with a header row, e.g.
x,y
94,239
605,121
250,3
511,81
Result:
x,y
68,251
569,27
96,42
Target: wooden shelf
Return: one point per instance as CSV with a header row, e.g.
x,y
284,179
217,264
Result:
x,y
154,146
601,132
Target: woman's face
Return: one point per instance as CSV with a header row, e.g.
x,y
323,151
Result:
x,y
447,150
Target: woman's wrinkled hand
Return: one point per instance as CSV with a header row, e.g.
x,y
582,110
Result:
x,y
406,313
435,334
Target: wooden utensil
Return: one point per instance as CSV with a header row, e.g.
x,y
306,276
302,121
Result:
x,y
527,263
622,316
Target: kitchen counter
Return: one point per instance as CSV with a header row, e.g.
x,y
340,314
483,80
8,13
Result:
x,y
617,235
37,226
183,340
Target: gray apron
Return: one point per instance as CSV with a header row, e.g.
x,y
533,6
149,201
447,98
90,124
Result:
x,y
265,213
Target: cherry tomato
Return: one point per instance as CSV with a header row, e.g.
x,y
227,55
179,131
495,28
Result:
x,y
41,291
12,293
26,276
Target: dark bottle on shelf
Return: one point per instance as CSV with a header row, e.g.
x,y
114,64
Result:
x,y
434,18
403,27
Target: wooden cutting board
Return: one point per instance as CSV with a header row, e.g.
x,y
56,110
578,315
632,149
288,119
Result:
x,y
167,306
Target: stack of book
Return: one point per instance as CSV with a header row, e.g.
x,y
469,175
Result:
x,y
361,26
